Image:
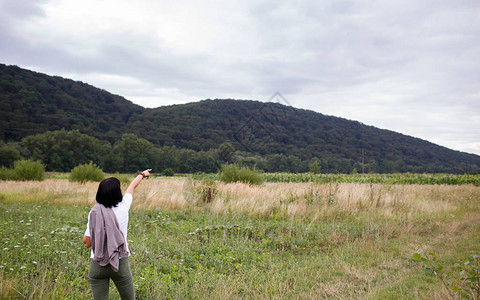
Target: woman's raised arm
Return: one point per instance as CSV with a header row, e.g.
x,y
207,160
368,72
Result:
x,y
136,181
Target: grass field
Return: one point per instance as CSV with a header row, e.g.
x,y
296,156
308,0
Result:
x,y
196,239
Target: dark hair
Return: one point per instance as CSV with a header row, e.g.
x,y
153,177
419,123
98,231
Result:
x,y
109,193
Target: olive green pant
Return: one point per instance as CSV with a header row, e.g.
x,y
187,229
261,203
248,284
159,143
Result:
x,y
99,278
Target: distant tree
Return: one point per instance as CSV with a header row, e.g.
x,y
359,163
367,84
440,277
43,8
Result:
x,y
250,160
168,158
278,163
8,155
203,162
225,152
283,163
344,166
131,154
62,150
184,160
113,163
295,164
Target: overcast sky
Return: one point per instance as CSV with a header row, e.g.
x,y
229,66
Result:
x,y
412,66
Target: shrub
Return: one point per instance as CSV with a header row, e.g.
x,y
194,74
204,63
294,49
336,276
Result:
x,y
467,283
314,166
28,170
236,173
6,173
123,178
86,172
168,172
199,191
206,190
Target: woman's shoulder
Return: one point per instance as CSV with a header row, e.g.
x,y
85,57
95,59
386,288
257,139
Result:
x,y
126,201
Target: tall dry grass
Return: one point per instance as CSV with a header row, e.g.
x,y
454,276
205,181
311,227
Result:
x,y
286,199
57,191
304,199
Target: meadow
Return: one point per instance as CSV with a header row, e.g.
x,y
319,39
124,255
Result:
x,y
197,238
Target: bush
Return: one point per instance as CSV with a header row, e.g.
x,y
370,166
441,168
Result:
x,y
6,173
168,172
86,172
205,190
314,166
123,178
236,173
467,284
28,170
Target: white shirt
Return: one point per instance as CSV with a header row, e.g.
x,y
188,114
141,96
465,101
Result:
x,y
121,212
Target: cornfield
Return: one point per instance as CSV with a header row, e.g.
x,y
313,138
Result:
x,y
404,178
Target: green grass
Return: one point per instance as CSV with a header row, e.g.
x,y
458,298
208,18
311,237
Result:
x,y
195,254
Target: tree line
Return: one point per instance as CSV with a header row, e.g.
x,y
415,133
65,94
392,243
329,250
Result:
x,y
62,150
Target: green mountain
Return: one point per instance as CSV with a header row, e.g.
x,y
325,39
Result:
x,y
33,103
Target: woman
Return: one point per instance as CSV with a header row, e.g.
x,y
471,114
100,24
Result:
x,y
106,234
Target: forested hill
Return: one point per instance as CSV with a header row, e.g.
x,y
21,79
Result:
x,y
34,103
276,128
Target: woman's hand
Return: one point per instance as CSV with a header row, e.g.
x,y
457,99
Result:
x,y
86,241
146,173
